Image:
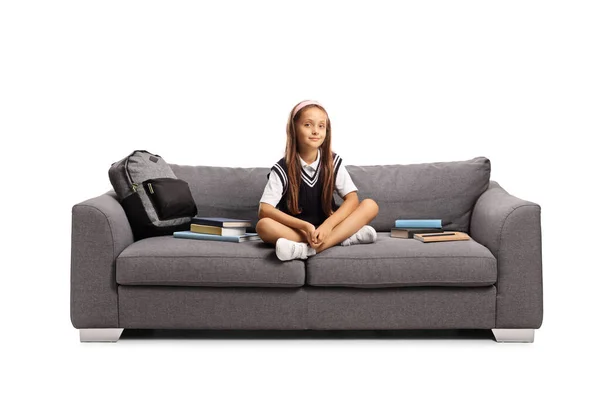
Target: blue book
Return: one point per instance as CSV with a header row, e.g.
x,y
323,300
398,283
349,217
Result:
x,y
418,223
205,236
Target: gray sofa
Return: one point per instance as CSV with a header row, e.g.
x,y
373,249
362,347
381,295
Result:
x,y
493,281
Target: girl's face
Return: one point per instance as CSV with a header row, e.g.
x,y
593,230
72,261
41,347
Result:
x,y
311,128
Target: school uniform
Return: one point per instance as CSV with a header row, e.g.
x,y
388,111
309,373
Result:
x,y
311,187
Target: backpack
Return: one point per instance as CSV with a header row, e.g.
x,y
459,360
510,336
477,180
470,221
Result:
x,y
155,201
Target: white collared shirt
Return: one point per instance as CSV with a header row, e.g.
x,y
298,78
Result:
x,y
274,189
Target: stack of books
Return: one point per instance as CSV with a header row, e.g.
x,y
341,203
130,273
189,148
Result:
x,y
406,228
218,228
425,230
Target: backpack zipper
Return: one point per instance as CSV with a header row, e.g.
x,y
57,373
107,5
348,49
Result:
x,y
133,185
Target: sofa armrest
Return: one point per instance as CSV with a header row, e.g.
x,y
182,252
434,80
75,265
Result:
x,y
100,232
511,229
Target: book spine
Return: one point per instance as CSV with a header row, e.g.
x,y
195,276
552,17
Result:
x,y
216,230
221,224
213,230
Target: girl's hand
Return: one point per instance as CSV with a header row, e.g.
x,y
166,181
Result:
x,y
309,230
320,234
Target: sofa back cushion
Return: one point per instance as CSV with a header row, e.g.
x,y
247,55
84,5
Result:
x,y
440,190
225,191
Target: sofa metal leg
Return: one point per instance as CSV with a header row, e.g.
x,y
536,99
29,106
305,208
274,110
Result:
x,y
514,335
100,335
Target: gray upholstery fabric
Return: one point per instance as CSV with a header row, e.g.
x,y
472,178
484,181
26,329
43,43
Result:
x,y
167,260
511,229
182,307
441,190
389,262
100,231
393,262
495,280
224,191
162,307
402,308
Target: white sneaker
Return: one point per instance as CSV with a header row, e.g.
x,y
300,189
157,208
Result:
x,y
289,250
366,234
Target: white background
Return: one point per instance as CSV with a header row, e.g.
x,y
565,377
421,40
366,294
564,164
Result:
x,y
82,84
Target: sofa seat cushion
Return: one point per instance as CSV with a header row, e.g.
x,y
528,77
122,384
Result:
x,y
166,260
393,262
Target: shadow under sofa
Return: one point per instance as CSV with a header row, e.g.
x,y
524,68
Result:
x,y
493,281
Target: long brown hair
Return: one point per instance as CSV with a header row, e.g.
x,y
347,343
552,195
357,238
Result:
x,y
294,167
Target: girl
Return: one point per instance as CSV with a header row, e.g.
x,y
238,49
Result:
x,y
297,212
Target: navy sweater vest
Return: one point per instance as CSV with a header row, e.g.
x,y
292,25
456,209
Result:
x,y
311,187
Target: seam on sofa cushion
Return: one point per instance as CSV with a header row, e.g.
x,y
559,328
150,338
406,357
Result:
x,y
320,258
185,283
489,283
198,256
371,258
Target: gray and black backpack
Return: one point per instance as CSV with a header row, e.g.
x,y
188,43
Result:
x,y
155,201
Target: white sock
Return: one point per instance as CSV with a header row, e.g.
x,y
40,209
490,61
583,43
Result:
x,y
366,234
286,249
346,242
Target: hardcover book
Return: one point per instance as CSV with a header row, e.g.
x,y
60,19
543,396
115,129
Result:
x,y
217,230
222,222
408,233
204,236
441,237
418,223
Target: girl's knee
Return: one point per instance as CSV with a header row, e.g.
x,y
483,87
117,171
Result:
x,y
270,230
371,205
263,224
